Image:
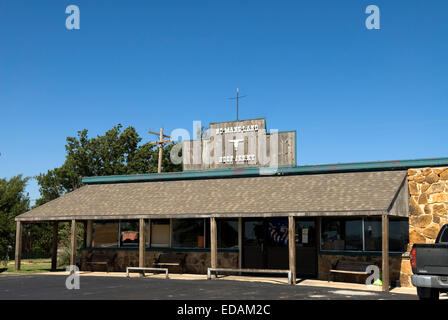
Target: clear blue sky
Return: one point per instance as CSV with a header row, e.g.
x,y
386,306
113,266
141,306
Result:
x,y
352,94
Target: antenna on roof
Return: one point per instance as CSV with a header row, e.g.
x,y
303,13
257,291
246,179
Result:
x,y
237,100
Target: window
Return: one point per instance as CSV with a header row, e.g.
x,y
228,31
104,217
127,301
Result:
x,y
227,230
305,233
129,233
341,234
444,235
254,232
105,234
277,232
346,234
398,234
188,233
373,234
227,233
160,233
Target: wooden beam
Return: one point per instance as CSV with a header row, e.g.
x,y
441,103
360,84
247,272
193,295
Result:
x,y
73,244
160,144
318,232
84,235
372,213
148,233
385,252
158,133
214,244
159,164
54,251
292,247
89,233
18,253
240,242
141,245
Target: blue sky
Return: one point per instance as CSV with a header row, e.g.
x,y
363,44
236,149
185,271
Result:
x,y
352,94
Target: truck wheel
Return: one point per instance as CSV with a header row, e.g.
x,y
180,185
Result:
x,y
427,293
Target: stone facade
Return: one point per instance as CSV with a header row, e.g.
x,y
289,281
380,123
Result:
x,y
196,261
428,204
428,208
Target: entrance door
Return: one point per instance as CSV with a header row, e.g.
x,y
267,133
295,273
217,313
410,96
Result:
x,y
253,243
306,251
265,243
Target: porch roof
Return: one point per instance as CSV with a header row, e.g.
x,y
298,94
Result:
x,y
331,194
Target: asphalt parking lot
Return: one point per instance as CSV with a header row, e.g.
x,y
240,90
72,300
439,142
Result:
x,y
52,287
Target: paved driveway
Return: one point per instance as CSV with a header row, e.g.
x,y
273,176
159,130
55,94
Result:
x,y
51,287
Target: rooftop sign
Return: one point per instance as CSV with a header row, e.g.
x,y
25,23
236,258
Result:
x,y
242,143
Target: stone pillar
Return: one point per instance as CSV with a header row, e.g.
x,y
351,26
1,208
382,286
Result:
x,y
89,231
73,244
54,251
141,245
385,252
292,248
18,253
240,242
214,244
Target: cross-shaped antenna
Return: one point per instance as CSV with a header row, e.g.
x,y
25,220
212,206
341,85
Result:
x,y
237,100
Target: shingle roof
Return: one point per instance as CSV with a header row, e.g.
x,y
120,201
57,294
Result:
x,y
316,194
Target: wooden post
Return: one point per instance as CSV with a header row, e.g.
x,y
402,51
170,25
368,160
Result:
x,y
214,244
89,233
148,233
141,246
240,242
18,253
385,253
84,235
159,164
160,144
292,248
54,252
73,244
318,245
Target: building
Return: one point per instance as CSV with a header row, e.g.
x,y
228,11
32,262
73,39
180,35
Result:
x,y
241,215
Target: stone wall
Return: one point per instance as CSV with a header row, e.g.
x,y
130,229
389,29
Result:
x,y
196,261
428,208
428,205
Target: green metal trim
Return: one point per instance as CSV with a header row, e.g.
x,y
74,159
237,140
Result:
x,y
283,170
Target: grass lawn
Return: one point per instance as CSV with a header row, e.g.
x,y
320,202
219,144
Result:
x,y
32,266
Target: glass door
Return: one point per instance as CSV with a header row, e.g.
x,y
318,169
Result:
x,y
306,250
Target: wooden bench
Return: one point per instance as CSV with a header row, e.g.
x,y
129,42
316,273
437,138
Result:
x,y
143,269
230,270
349,267
170,259
101,259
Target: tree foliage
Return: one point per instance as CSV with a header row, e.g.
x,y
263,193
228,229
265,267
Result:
x,y
13,201
117,152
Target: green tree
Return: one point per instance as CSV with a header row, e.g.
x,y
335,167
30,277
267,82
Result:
x,y
13,201
116,152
